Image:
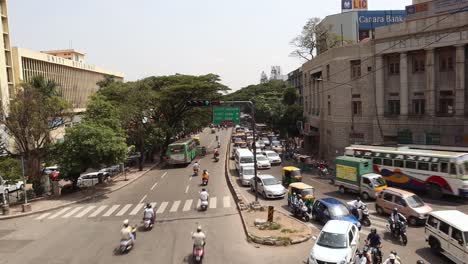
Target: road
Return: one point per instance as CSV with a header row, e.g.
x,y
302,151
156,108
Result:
x,y
416,249
89,232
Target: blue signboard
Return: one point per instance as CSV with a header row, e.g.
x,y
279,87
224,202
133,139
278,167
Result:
x,y
373,19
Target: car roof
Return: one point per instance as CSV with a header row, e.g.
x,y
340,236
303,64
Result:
x,y
265,176
330,201
337,226
399,191
454,218
269,151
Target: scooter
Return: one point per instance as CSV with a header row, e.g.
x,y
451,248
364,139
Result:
x,y
204,205
125,246
302,213
195,172
365,220
204,182
147,224
399,230
198,254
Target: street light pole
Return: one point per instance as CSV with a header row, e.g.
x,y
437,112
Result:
x,y
24,180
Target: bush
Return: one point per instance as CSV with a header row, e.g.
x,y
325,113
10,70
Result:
x,y
30,194
270,226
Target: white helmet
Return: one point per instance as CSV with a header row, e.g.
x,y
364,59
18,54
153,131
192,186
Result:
x,y
391,256
199,229
125,222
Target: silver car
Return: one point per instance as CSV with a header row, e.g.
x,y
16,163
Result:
x,y
268,186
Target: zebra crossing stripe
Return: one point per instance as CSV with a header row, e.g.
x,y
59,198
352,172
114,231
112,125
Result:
x,y
187,205
124,209
136,209
213,202
59,212
227,201
162,207
111,210
98,211
175,206
198,203
42,216
153,205
76,209
85,211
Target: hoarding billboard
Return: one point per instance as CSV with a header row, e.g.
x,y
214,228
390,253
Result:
x,y
350,5
374,19
435,8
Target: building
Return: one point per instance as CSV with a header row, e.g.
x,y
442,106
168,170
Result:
x,y
76,79
295,80
6,68
405,86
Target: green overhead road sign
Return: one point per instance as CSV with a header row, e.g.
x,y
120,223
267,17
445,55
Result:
x,y
222,115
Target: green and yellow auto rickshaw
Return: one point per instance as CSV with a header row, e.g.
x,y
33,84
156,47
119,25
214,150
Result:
x,y
306,191
291,174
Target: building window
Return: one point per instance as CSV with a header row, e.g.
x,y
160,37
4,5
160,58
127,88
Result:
x,y
355,69
394,68
446,64
419,65
357,108
394,107
329,108
328,72
446,106
419,106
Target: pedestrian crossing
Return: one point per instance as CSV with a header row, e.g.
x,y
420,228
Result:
x,y
121,210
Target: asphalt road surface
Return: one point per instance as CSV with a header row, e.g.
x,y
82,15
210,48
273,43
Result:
x,y
89,232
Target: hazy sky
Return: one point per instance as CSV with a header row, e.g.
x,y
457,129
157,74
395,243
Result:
x,y
234,39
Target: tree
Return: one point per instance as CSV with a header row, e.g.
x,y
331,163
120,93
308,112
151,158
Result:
x,y
89,145
10,169
99,110
290,96
35,111
263,78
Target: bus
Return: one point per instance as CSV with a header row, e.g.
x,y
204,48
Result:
x,y
182,151
436,171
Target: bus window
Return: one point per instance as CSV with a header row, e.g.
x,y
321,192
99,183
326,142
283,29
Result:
x,y
410,164
444,167
434,167
377,161
387,162
423,166
398,163
452,169
177,148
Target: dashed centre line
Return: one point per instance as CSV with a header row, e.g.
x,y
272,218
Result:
x,y
164,175
186,189
143,199
154,185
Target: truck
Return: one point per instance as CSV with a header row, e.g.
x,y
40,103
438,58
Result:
x,y
357,175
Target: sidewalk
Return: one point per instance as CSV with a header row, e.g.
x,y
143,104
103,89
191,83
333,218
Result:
x,y
46,204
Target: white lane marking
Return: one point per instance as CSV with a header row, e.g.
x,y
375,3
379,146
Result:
x,y
85,211
42,216
98,211
111,210
175,206
143,199
186,189
154,185
59,212
213,202
153,205
76,209
187,205
198,203
136,209
227,201
124,210
190,178
164,175
162,207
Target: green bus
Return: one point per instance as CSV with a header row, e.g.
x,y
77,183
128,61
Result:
x,y
182,151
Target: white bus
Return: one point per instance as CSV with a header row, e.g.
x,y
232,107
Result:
x,y
435,171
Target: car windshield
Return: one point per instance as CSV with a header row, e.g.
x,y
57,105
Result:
x,y
261,158
414,201
306,192
265,139
273,155
246,160
270,181
338,210
248,172
378,182
332,240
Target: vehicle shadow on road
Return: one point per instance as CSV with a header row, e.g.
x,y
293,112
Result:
x,y
429,257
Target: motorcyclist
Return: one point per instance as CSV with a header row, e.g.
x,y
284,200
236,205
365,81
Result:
x,y
205,175
216,137
396,217
366,253
356,206
219,143
149,213
126,233
360,258
196,167
216,153
199,238
391,260
396,255
204,195
294,200
374,241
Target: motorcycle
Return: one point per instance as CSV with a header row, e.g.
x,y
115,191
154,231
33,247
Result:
x,y
365,220
125,246
204,205
398,230
204,182
147,223
195,172
198,254
375,254
216,157
302,213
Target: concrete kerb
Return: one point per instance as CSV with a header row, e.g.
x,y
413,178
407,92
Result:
x,y
240,202
80,200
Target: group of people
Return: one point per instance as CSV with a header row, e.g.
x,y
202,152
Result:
x,y
297,202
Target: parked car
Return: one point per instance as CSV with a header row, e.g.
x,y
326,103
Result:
x,y
49,170
408,203
92,179
337,243
263,162
268,186
447,234
266,141
246,174
326,209
8,186
112,170
272,156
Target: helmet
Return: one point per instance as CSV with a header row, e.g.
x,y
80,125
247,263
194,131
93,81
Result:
x,y
391,256
373,230
420,261
393,252
203,190
358,198
125,222
148,205
395,210
199,229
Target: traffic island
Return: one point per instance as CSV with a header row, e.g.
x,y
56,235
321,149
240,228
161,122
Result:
x,y
282,231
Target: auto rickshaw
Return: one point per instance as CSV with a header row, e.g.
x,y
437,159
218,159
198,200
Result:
x,y
196,138
306,191
291,174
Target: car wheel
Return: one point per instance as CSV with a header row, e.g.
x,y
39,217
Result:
x,y
22,187
435,245
365,196
413,221
264,194
252,188
342,189
379,210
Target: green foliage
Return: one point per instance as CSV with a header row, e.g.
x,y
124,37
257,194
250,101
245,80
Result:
x,y
10,169
101,111
290,96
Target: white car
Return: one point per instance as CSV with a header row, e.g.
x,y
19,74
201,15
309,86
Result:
x,y
91,179
268,186
272,156
266,141
246,174
259,144
337,243
263,162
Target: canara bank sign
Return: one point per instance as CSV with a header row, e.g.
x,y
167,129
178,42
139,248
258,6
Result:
x,y
374,19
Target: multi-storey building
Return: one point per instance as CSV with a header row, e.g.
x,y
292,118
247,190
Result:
x,y
6,67
295,80
405,86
